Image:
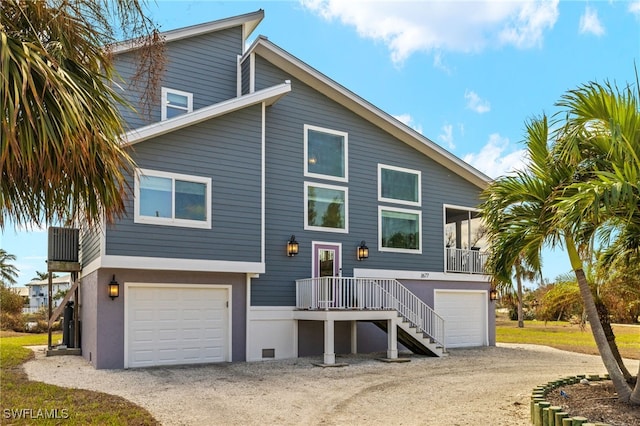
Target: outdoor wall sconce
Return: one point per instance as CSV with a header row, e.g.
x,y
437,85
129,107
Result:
x,y
362,251
493,294
114,288
292,246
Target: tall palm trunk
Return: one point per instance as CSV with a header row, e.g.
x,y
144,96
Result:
x,y
609,361
603,314
520,310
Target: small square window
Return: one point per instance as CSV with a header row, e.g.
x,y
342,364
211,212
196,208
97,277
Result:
x,y
175,103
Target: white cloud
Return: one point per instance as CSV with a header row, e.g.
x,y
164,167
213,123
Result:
x,y
527,28
470,26
408,120
497,158
475,103
446,137
590,23
634,7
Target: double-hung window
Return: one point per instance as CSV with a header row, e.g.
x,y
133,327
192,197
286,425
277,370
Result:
x,y
399,228
172,199
175,103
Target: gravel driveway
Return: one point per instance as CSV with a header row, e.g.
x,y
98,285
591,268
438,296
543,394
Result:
x,y
488,386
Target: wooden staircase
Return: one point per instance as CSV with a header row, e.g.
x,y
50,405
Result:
x,y
414,340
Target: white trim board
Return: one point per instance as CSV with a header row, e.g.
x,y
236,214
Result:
x,y
418,275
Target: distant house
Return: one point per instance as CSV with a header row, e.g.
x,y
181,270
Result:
x,y
38,292
277,214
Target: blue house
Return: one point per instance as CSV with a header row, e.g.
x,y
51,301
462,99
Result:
x,y
277,214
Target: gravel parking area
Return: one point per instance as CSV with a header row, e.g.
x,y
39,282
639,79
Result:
x,y
488,386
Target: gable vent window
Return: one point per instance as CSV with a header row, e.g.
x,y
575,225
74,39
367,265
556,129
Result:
x,y
175,103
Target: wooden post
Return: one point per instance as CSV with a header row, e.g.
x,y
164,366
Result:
x,y
76,311
392,339
559,416
552,414
50,293
354,337
329,350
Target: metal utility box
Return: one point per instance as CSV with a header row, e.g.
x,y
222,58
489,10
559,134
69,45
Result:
x,y
63,244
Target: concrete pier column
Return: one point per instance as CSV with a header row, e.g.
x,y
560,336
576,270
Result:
x,y
329,339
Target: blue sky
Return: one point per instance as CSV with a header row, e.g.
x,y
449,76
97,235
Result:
x,y
466,74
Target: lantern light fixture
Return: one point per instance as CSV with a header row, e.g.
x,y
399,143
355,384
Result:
x,y
114,288
362,251
493,294
292,246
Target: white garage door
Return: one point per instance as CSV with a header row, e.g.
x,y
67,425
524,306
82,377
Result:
x,y
166,325
465,316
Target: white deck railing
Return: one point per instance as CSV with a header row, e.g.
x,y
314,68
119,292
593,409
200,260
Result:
x,y
467,261
329,293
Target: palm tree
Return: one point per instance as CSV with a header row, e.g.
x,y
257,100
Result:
x,y
8,272
41,276
60,125
522,215
602,140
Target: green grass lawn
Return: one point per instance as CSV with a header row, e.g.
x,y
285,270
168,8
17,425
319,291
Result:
x,y
26,402
566,336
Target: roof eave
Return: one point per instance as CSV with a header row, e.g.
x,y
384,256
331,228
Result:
x,y
269,96
248,21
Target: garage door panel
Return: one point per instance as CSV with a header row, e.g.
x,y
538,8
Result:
x,y
168,325
465,315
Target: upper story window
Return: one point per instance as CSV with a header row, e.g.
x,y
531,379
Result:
x,y
399,230
175,103
325,207
326,153
399,185
173,199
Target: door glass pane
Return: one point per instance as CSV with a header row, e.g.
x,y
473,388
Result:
x,y
191,200
155,196
326,153
326,263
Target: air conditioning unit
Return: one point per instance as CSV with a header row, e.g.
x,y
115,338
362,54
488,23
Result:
x,y
63,244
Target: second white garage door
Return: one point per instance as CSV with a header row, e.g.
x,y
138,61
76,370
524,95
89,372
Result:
x,y
465,315
176,324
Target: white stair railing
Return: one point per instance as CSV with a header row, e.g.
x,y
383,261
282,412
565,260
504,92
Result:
x,y
326,293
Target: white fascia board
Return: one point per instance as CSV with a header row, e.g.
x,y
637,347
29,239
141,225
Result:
x,y
249,22
308,75
269,96
418,275
174,264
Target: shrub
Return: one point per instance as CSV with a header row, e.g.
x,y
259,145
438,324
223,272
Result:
x,y
10,302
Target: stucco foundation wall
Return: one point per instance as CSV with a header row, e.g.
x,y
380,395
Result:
x,y
88,316
108,327
311,337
